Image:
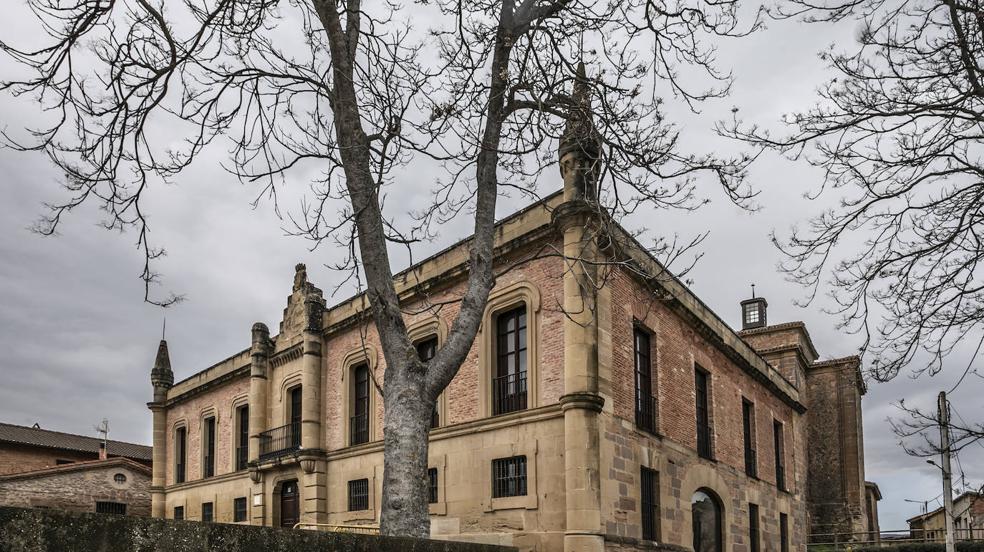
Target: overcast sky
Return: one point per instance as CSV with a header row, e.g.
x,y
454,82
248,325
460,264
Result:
x,y
79,343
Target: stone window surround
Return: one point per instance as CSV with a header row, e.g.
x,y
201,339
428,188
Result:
x,y
501,300
361,355
205,413
237,402
530,501
287,384
433,326
369,514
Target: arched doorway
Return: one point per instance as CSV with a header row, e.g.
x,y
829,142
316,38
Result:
x,y
708,521
290,504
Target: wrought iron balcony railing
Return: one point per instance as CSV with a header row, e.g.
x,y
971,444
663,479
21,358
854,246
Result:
x,y
646,413
359,429
280,440
509,393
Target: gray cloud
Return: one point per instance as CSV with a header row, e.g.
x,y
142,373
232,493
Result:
x,y
79,343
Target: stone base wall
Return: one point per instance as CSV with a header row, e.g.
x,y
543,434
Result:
x,y
23,530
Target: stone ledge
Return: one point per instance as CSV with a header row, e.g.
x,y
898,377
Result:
x,y
26,530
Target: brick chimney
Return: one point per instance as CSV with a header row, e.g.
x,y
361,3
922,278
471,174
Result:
x,y
102,450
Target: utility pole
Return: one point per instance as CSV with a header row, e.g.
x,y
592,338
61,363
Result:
x,y
944,418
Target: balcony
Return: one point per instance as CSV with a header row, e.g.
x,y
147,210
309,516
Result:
x,y
280,441
646,413
508,393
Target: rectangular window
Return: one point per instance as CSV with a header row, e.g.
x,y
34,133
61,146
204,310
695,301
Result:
x,y
748,426
426,349
239,509
703,414
359,421
60,462
358,495
509,477
207,511
111,508
650,504
242,444
783,533
509,379
295,417
208,436
179,513
780,455
432,486
753,527
180,454
645,411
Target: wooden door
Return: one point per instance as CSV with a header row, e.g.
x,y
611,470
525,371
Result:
x,y
290,505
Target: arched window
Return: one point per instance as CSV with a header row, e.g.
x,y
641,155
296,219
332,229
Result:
x,y
708,521
119,478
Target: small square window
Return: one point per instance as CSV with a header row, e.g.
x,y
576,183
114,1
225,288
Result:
x,y
509,477
179,513
207,512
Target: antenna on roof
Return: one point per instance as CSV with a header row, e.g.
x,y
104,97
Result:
x,y
103,428
753,291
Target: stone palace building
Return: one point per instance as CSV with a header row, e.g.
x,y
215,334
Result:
x,y
623,416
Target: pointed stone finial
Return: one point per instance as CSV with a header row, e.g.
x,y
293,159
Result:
x,y
300,276
579,152
161,376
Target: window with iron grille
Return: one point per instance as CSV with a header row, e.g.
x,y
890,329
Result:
x,y
645,410
180,454
432,486
359,421
748,426
783,533
650,504
111,508
179,513
239,509
753,527
509,477
208,461
207,511
242,439
358,495
426,349
779,448
703,414
509,381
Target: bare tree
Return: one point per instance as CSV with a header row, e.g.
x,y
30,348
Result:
x,y
359,92
898,133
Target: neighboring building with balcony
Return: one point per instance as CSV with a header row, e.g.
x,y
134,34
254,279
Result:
x,y
621,417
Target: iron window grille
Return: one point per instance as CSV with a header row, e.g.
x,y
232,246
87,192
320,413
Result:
x,y
509,477
509,391
208,464
359,421
179,513
780,455
704,449
748,426
650,504
753,528
207,512
426,349
118,508
239,509
432,486
358,495
180,454
645,411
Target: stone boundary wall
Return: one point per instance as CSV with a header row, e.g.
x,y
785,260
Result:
x,y
30,530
